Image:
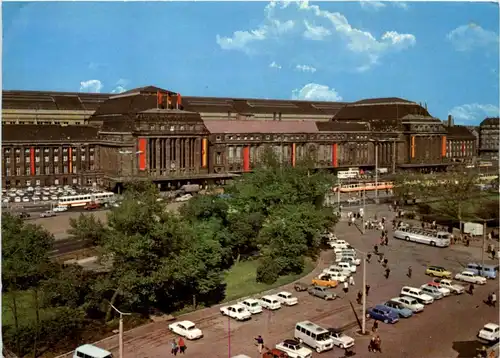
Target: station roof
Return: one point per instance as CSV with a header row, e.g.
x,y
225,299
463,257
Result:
x,y
260,126
49,132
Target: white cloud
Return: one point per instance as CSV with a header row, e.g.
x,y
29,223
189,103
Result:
x,y
119,89
291,20
474,113
305,68
271,28
372,5
314,91
315,32
400,4
92,86
275,65
468,37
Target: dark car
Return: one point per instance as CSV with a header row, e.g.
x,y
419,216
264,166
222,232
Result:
x,y
23,215
300,286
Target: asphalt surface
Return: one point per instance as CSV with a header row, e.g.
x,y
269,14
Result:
x,y
447,328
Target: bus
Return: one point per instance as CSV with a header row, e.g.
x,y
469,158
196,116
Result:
x,y
84,199
423,236
352,173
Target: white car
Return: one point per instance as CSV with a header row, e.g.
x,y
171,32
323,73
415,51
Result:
x,y
252,305
417,294
340,244
348,255
469,276
270,302
17,199
286,298
336,268
186,329
340,339
443,290
294,349
238,312
335,275
410,303
35,198
347,266
490,332
45,198
351,259
185,197
59,209
53,197
26,199
453,287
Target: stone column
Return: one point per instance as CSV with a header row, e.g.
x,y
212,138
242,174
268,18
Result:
x,y
157,157
168,145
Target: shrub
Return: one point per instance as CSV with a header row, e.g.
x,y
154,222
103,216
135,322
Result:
x,y
268,271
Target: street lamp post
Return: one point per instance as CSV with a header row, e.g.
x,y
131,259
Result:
x,y
363,319
363,216
376,172
120,334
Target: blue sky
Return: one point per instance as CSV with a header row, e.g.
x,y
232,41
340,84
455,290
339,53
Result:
x,y
442,54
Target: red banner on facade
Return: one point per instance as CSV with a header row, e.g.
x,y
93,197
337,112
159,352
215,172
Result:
x,y
294,154
246,159
335,161
142,153
32,161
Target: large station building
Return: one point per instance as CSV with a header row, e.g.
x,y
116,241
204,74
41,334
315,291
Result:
x,y
155,134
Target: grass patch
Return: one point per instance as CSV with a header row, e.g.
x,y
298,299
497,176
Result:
x,y
241,279
25,307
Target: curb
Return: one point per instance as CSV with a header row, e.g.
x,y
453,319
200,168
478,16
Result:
x,y
313,272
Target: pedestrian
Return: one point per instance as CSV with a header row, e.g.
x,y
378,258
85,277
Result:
x,y
493,254
375,249
175,348
381,258
260,343
346,287
493,299
379,343
182,346
471,289
368,257
375,326
353,220
409,271
387,272
351,280
367,289
386,262
359,297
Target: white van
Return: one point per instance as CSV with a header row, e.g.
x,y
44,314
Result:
x,y
314,336
270,302
91,351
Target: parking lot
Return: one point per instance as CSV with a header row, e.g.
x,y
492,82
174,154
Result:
x,y
446,328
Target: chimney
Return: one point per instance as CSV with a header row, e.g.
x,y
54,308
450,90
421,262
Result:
x,y
450,120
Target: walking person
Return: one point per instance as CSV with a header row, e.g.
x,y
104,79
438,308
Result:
x,y
368,257
182,346
493,299
367,289
346,287
387,272
410,270
175,347
375,326
471,289
359,297
351,280
260,343
493,253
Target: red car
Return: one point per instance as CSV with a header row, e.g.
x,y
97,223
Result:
x,y
275,353
91,206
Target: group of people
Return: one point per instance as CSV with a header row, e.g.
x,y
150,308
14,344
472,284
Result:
x,y
178,347
375,344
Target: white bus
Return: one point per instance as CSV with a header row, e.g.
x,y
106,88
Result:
x,y
352,173
423,236
84,199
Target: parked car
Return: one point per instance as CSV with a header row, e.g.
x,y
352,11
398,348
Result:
x,y
490,332
453,287
438,271
351,259
272,353
294,349
322,292
418,294
47,214
444,291
432,291
348,266
23,215
252,305
324,280
340,339
469,276
60,208
300,286
186,329
399,308
270,302
238,312
335,275
91,206
343,270
410,303
286,298
382,313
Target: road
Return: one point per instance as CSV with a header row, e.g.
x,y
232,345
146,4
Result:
x,y
446,328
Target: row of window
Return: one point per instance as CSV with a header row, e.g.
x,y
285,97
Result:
x,y
49,181
42,122
47,170
46,159
8,151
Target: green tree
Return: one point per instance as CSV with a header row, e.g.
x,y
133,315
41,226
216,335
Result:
x,y
25,262
86,227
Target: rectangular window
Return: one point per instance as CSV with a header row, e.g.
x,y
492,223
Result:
x,y
18,160
37,170
91,166
37,182
65,158
7,172
56,158
46,170
37,159
27,159
28,182
82,158
91,157
18,171
74,169
218,158
27,171
7,160
56,169
89,181
74,158
65,169
46,159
